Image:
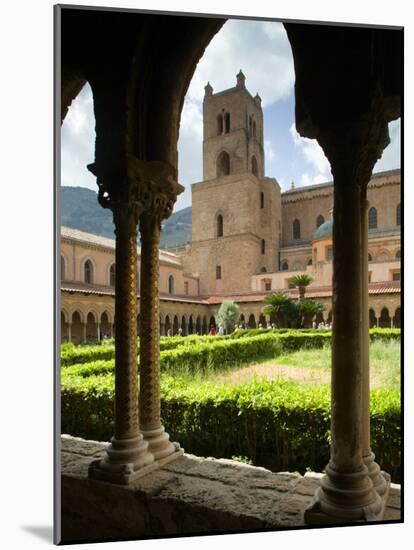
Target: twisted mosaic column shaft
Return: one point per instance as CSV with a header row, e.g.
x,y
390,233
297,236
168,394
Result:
x,y
379,480
149,400
128,452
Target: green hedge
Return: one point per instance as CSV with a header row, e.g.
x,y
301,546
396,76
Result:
x,y
196,346
276,424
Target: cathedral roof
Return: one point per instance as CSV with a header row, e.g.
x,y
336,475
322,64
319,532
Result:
x,y
323,231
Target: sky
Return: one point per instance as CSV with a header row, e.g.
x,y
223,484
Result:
x,y
262,50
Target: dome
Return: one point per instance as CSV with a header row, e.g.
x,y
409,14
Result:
x,y
323,231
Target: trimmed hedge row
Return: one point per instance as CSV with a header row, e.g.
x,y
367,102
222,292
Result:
x,y
198,357
277,424
196,346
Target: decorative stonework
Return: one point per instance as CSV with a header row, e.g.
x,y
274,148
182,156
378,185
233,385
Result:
x,y
159,199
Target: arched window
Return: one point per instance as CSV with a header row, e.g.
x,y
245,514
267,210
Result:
x,y
263,270
220,226
285,266
254,128
369,257
250,125
398,214
223,164
227,123
262,200
263,246
218,271
372,218
320,220
219,125
112,275
171,284
255,168
296,229
310,261
88,272
398,254
62,268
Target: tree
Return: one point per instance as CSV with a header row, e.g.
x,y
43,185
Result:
x,y
228,314
307,310
281,308
301,282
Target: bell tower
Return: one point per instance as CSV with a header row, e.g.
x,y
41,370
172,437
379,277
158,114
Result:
x,y
233,132
236,210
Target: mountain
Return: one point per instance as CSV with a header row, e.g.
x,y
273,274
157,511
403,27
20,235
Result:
x,y
80,210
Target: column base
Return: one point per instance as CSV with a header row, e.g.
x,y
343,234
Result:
x,y
380,479
335,505
123,466
159,443
125,461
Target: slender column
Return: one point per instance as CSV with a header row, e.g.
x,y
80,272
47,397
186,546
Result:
x,y
160,199
98,331
346,492
377,319
392,322
127,456
84,332
69,332
381,480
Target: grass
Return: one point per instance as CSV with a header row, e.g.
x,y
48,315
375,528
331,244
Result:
x,y
309,366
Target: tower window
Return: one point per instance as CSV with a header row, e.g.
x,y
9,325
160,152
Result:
x,y
296,229
369,257
254,128
219,125
262,200
398,214
319,220
255,168
227,123
218,271
263,246
263,270
223,164
171,284
186,288
88,272
112,275
285,266
219,225
372,218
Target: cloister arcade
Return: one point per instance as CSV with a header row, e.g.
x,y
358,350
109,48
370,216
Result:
x,y
345,96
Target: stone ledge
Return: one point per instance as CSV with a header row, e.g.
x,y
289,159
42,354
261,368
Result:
x,y
191,495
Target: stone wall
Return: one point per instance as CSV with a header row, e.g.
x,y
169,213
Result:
x,y
192,495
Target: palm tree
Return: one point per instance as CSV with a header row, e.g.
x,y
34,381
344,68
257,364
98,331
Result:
x,y
280,306
301,282
308,309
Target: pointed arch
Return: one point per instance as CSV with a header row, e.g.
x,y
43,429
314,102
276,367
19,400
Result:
x,y
255,166
296,229
372,218
223,164
319,221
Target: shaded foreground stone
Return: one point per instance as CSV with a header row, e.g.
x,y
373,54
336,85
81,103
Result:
x,y
190,495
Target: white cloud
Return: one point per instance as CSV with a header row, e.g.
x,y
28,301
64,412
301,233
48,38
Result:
x,y
319,167
78,141
260,49
269,150
391,157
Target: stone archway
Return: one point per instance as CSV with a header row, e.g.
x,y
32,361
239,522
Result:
x,y
175,326
198,328
106,329
252,321
78,335
397,318
204,329
385,319
64,328
91,328
191,325
167,325
372,318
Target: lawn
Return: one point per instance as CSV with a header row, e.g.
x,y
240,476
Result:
x,y
308,366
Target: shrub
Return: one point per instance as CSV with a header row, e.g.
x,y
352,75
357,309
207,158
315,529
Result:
x,y
277,424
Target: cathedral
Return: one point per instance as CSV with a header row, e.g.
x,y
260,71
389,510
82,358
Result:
x,y
248,238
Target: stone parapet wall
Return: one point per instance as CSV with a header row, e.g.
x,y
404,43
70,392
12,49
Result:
x,y
192,495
